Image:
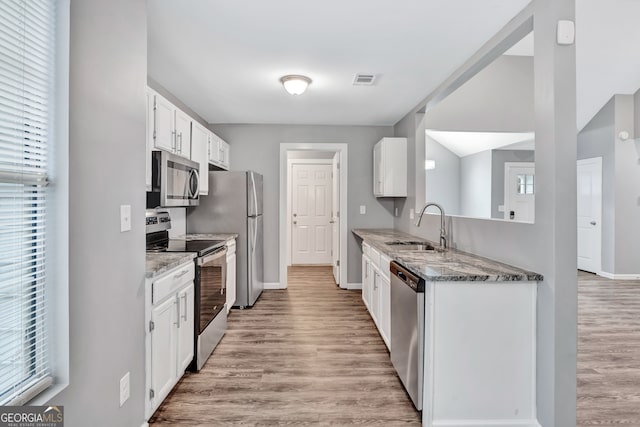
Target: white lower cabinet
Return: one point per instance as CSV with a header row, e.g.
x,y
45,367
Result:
x,y
231,274
376,290
169,312
163,349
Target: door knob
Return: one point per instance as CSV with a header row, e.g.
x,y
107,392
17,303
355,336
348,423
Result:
x,y
331,222
592,223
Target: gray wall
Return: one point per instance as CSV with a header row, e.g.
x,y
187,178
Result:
x,y
498,98
108,72
548,246
257,147
498,159
475,185
443,182
597,139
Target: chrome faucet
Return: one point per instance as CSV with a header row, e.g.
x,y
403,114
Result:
x,y
443,235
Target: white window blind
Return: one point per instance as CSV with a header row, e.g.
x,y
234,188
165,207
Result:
x,y
27,48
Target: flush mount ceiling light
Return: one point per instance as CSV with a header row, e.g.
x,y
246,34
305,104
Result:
x,y
295,84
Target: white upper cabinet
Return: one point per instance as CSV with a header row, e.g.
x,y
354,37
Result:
x,y
199,153
163,124
183,134
390,168
218,152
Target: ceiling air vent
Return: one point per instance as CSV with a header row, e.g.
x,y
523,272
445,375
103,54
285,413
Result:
x,y
364,79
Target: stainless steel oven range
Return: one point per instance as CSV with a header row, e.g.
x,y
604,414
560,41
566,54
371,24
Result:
x,y
210,282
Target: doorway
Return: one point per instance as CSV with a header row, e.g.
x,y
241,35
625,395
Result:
x,y
590,215
313,208
310,211
519,191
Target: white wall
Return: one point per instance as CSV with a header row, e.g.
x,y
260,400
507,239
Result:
x,y
257,148
108,71
443,182
475,185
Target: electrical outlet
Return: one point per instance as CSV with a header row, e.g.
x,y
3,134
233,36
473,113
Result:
x,y
363,209
124,388
412,213
125,218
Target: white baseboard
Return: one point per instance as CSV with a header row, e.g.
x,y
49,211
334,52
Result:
x,y
274,285
619,276
486,423
354,286
145,425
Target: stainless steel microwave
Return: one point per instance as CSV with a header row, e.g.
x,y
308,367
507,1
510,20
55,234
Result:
x,y
175,181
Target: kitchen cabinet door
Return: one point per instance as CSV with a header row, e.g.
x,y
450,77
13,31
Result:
x,y
183,134
199,153
390,168
163,349
374,305
366,281
163,124
185,328
224,154
231,281
384,318
214,148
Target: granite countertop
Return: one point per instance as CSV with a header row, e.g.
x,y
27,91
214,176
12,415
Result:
x,y
161,262
210,236
451,265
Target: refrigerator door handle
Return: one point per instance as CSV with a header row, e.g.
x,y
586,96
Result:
x,y
254,194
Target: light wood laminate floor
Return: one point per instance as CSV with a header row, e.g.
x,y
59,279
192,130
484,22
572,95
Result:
x,y
608,352
308,355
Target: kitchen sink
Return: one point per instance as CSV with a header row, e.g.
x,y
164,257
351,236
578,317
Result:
x,y
411,245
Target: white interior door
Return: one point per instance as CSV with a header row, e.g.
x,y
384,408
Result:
x,y
311,214
335,219
519,191
590,214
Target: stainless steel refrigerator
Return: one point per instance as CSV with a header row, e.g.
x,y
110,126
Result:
x,y
234,205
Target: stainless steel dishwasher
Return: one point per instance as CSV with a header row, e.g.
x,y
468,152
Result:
x,y
407,330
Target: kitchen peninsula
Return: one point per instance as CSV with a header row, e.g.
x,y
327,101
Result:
x,y
479,330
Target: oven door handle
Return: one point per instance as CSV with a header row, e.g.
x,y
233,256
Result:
x,y
218,254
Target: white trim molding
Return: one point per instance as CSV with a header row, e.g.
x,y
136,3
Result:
x,y
354,286
274,285
613,276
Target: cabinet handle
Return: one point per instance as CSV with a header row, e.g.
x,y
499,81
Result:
x,y
184,315
178,308
182,273
174,140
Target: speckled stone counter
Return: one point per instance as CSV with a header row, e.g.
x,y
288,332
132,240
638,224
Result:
x,y
211,236
161,262
451,265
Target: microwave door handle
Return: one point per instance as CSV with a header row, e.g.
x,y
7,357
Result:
x,y
193,194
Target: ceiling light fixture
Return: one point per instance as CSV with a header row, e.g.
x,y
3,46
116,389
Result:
x,y
295,84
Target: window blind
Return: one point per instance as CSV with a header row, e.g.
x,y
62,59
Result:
x,y
27,52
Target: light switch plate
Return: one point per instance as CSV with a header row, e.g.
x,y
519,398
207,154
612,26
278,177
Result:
x,y
566,32
363,209
124,388
125,218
